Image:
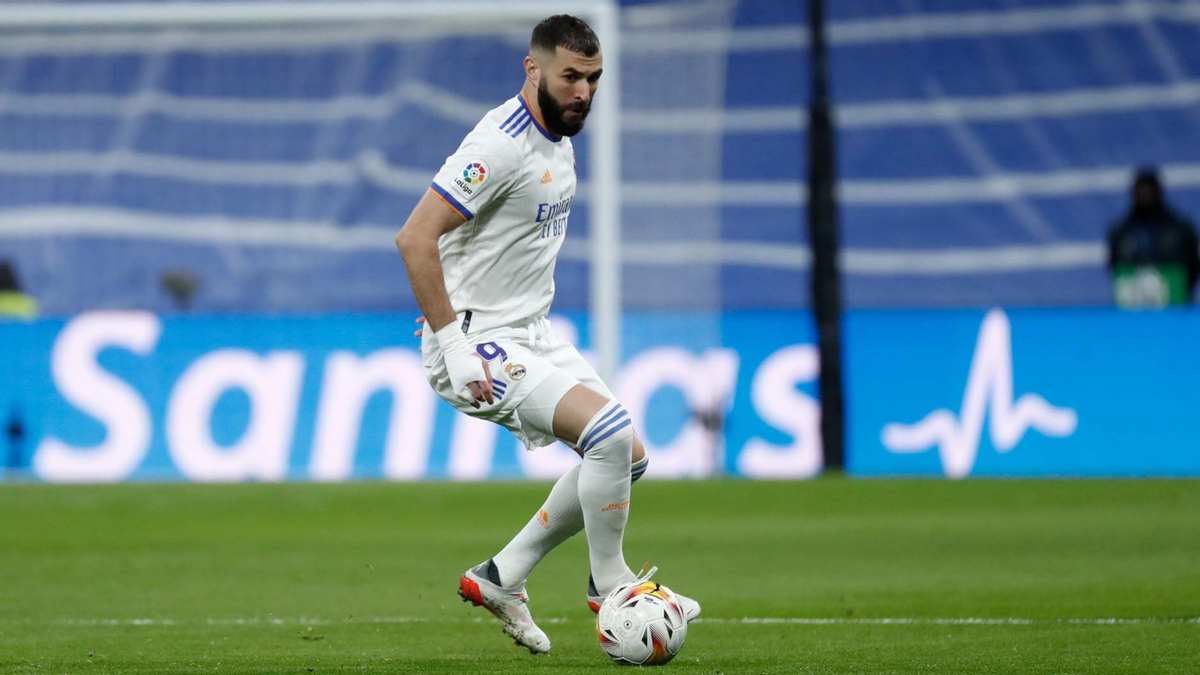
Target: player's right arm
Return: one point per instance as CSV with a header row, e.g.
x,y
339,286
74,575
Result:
x,y
418,244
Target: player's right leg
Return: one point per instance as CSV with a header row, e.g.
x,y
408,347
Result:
x,y
482,584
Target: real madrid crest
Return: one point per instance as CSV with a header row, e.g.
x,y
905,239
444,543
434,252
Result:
x,y
515,371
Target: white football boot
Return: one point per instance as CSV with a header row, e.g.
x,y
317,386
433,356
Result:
x,y
481,587
690,608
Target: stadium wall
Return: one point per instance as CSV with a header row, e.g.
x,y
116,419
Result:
x,y
118,396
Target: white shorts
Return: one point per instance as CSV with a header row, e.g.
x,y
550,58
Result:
x,y
521,360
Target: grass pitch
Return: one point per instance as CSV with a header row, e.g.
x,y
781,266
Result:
x,y
827,576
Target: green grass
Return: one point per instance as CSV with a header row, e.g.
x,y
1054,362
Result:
x,y
362,577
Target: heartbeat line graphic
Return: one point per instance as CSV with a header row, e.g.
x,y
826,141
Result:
x,y
990,382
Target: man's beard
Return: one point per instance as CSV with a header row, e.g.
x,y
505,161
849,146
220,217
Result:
x,y
553,113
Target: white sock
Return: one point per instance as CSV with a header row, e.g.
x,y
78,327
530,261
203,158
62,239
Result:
x,y
604,480
559,519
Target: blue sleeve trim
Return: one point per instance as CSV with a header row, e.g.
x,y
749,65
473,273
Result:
x,y
451,201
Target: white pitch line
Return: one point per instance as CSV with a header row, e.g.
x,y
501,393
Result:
x,y
744,621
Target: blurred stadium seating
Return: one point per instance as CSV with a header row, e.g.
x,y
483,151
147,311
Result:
x,y
984,147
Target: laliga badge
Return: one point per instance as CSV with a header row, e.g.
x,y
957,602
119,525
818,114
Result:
x,y
515,371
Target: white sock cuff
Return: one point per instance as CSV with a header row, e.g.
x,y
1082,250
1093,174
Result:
x,y
610,420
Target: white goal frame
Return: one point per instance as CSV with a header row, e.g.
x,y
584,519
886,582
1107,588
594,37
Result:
x,y
604,163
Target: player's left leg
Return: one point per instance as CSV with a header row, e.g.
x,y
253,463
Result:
x,y
602,430
611,496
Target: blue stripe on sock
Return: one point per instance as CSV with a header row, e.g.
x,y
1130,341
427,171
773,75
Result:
x,y
600,424
611,411
638,469
601,427
611,431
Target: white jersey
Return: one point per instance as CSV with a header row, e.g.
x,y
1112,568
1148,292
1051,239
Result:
x,y
513,182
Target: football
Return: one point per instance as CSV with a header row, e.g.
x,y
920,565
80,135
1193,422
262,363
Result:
x,y
641,624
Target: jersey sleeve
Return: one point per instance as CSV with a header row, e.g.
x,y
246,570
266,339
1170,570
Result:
x,y
477,174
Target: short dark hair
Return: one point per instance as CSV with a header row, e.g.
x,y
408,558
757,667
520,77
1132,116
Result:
x,y
566,31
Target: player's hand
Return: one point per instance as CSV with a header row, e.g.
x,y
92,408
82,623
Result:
x,y
469,377
482,391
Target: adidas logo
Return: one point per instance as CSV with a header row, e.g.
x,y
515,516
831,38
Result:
x,y
546,178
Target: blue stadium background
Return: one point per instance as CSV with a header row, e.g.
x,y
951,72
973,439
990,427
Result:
x,y
985,147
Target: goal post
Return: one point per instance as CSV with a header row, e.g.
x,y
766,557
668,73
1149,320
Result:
x,y
602,191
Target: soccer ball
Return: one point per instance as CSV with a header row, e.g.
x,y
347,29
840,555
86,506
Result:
x,y
641,624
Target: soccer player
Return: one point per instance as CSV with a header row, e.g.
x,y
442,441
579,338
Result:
x,y
480,249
